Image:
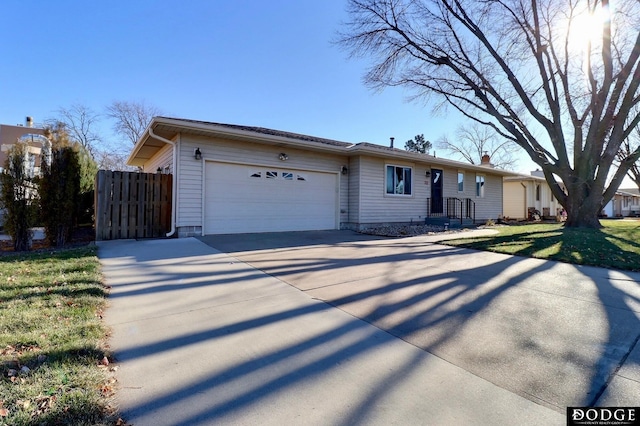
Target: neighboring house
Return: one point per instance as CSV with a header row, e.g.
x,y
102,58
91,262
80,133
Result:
x,y
235,179
32,136
625,202
524,194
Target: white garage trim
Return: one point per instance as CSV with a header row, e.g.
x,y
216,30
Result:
x,y
243,197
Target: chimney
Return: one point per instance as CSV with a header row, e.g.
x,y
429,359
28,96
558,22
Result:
x,y
391,145
485,160
29,121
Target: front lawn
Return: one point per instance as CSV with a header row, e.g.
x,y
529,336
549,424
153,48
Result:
x,y
51,336
616,245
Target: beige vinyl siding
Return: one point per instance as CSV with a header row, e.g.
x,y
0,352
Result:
x,y
343,202
354,191
516,205
514,200
369,203
378,207
489,206
450,184
190,189
189,192
162,159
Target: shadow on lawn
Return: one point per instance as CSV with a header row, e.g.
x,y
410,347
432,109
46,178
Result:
x,y
592,247
482,317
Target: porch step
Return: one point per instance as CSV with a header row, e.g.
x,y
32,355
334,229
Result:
x,y
448,222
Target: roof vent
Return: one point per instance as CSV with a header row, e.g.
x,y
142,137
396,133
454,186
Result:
x,y
391,144
29,121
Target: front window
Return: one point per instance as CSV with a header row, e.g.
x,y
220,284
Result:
x,y
479,186
460,181
537,192
399,180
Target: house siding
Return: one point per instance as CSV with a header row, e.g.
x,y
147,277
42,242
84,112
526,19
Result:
x,y
489,206
190,185
163,159
515,200
353,217
361,198
376,207
517,207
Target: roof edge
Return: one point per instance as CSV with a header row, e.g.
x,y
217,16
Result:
x,y
260,134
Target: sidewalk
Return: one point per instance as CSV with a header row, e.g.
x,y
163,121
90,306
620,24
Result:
x,y
202,338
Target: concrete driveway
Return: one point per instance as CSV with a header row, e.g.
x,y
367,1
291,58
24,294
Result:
x,y
422,334
555,333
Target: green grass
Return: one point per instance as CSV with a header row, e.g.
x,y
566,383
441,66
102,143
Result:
x,y
50,306
616,245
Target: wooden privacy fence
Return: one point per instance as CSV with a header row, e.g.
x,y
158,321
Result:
x,y
132,205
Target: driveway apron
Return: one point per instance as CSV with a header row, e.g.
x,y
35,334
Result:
x,y
203,337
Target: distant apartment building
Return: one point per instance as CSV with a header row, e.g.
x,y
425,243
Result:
x,y
29,133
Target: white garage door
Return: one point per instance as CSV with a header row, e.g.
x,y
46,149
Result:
x,y
244,198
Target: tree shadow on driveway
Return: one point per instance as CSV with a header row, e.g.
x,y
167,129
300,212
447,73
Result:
x,y
498,318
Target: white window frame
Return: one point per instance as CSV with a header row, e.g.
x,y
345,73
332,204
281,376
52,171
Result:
x,y
460,182
481,182
395,184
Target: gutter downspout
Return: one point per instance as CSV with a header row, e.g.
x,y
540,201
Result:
x,y
174,184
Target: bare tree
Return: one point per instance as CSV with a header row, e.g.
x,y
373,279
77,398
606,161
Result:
x,y
131,118
473,141
631,144
115,159
559,78
81,124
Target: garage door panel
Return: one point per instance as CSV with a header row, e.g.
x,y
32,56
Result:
x,y
243,198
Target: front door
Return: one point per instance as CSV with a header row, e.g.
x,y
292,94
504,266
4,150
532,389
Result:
x,y
436,191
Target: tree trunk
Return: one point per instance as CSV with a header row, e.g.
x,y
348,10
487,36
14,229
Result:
x,y
583,212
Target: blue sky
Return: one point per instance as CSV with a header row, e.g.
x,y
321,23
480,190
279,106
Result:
x,y
251,62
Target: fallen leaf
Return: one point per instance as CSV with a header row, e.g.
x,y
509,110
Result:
x,y
4,412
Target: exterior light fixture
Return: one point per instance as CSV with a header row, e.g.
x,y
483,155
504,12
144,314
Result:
x,y
158,170
344,170
427,173
197,154
283,156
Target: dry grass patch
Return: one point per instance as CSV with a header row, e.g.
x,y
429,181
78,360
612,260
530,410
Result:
x,y
52,338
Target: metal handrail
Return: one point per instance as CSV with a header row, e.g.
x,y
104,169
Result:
x,y
453,208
